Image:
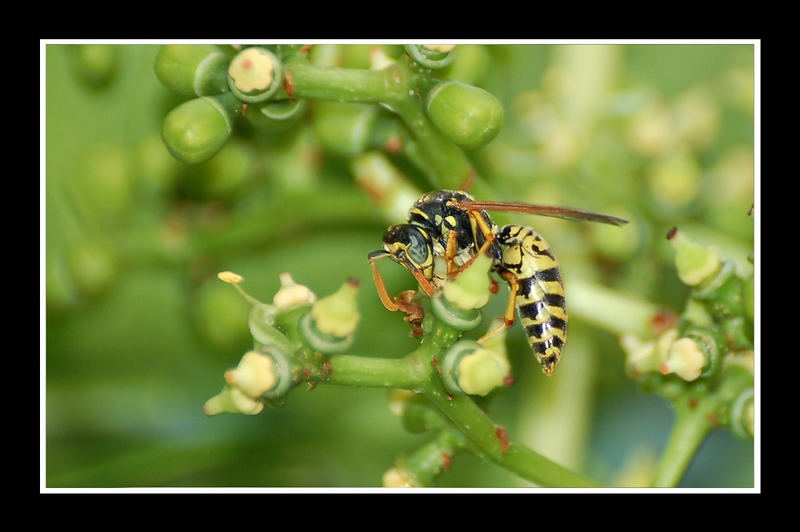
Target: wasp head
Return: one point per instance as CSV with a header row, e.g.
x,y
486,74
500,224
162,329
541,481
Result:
x,y
408,245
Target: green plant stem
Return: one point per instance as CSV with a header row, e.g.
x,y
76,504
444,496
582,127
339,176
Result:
x,y
417,371
374,372
688,433
392,88
697,413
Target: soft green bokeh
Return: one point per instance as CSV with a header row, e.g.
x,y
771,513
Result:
x,y
140,338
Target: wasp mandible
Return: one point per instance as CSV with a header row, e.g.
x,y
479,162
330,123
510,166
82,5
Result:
x,y
448,229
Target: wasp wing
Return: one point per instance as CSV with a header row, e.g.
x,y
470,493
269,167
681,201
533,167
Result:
x,y
565,213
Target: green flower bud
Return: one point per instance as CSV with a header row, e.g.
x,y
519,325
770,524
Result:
x,y
232,399
470,63
322,342
647,357
156,169
276,116
742,414
696,262
458,318
388,187
223,175
434,56
92,265
292,294
197,129
470,368
337,315
103,185
255,74
255,374
343,128
398,478
469,116
471,287
722,292
685,359
192,69
97,64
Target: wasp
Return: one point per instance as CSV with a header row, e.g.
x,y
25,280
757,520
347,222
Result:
x,y
447,230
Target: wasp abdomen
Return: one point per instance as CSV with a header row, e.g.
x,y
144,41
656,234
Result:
x,y
540,297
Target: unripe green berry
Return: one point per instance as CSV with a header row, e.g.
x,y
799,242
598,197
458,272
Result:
x,y
192,69
103,184
469,116
197,129
343,128
471,287
92,266
96,63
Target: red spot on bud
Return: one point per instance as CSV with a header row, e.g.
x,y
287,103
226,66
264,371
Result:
x,y
508,381
665,319
247,64
502,434
288,84
447,460
355,283
693,402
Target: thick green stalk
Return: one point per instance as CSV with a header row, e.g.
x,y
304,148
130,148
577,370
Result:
x,y
344,84
351,370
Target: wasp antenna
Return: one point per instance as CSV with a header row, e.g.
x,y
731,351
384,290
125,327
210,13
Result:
x,y
465,186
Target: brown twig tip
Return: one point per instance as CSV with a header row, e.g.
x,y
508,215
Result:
x,y
355,283
672,232
750,212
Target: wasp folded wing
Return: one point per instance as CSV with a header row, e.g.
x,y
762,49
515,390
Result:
x,y
542,210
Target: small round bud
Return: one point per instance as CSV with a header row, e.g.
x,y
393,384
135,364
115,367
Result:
x,y
398,399
197,129
292,294
337,314
398,478
232,400
469,367
471,287
433,56
97,64
469,116
343,128
458,318
685,359
255,74
92,265
481,372
192,69
255,374
695,262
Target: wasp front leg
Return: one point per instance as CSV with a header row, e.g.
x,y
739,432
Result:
x,y
386,299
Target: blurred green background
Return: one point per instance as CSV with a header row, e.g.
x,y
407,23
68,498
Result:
x,y
139,331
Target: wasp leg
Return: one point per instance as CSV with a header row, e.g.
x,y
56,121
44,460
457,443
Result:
x,y
488,237
386,299
450,252
508,318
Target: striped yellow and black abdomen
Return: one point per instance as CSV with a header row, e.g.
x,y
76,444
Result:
x,y
540,298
